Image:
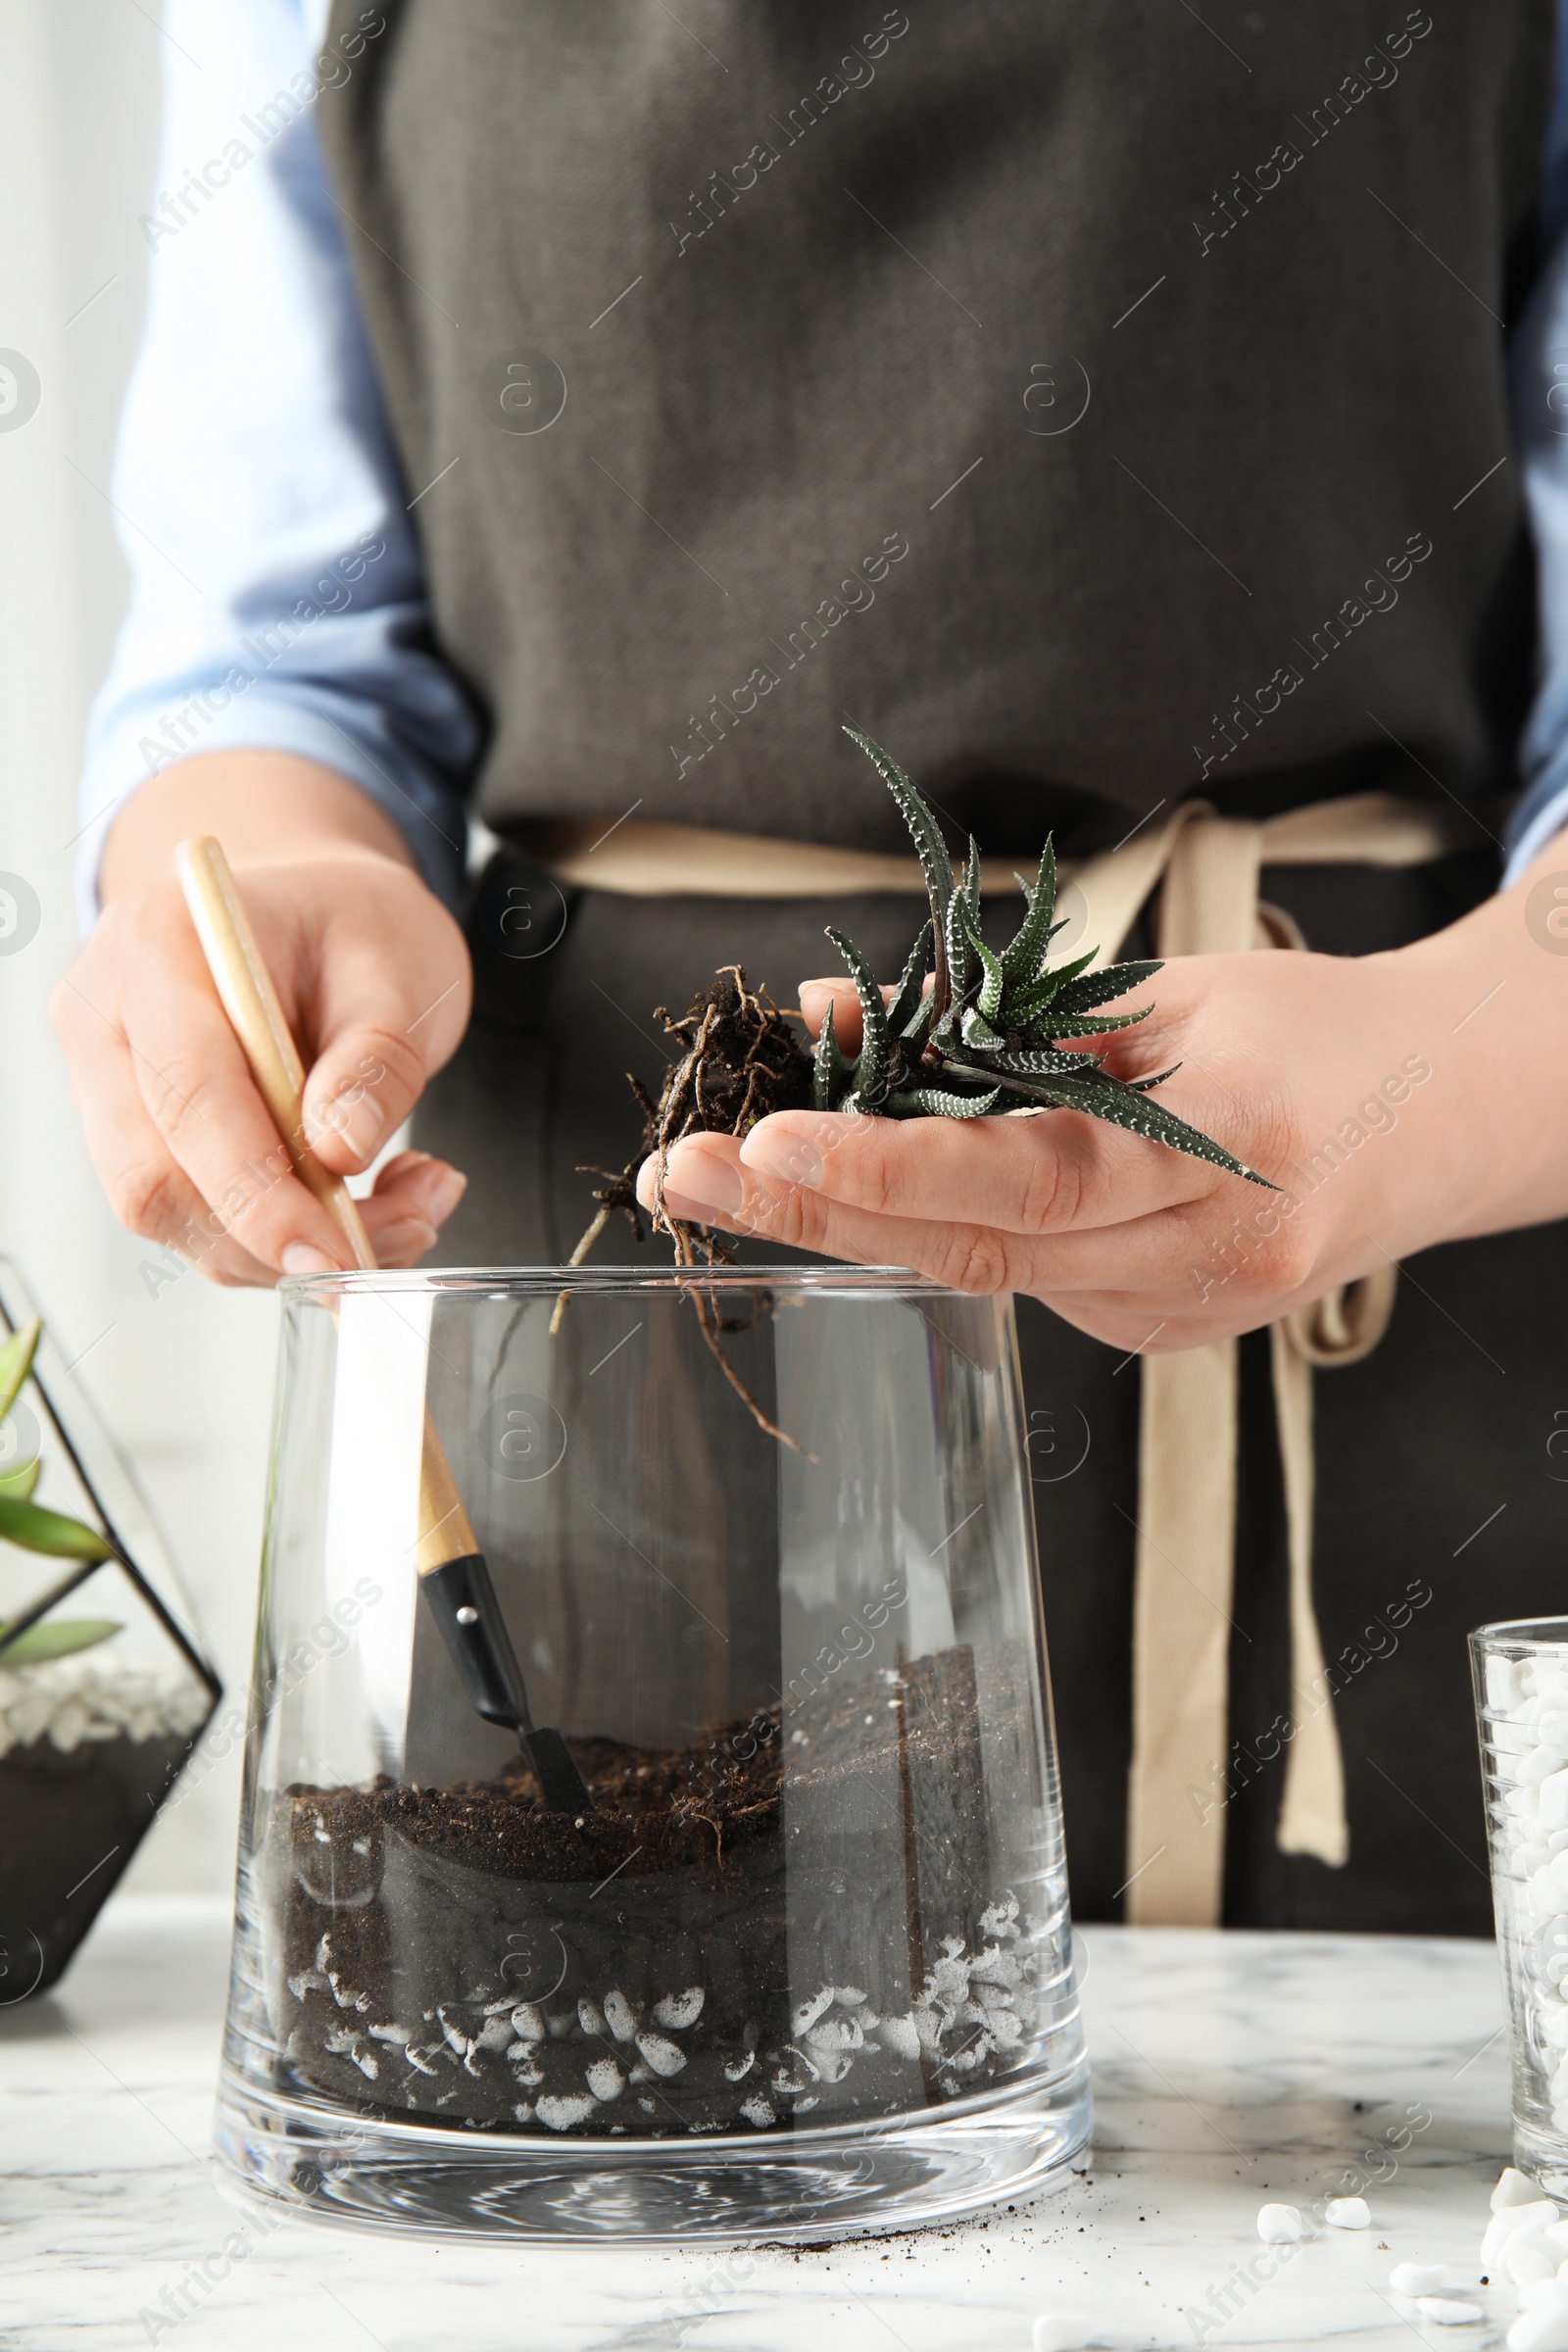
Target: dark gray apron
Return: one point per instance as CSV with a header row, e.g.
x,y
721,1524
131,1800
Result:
x,y
1052,391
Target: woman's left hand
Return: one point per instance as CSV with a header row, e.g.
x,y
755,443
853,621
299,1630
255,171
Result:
x,y
1394,1100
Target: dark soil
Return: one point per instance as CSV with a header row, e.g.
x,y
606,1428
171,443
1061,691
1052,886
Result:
x,y
69,1821
781,1921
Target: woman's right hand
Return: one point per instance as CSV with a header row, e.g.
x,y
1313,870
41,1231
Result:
x,y
374,981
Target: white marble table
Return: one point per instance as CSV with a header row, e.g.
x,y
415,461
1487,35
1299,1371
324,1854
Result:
x,y
1228,2070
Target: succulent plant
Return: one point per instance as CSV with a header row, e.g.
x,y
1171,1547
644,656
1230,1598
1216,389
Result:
x,y
32,1527
987,1035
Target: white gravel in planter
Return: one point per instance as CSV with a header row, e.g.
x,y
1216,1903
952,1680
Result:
x,y
76,1700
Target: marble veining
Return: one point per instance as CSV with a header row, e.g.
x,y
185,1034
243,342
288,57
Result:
x,y
1229,2070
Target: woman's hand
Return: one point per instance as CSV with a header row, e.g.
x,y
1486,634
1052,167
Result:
x,y
1394,1100
374,981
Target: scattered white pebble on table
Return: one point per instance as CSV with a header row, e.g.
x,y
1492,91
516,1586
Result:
x,y
1527,2258
1539,2332
1448,2311
1427,2277
1279,2225
1348,2213
1514,2188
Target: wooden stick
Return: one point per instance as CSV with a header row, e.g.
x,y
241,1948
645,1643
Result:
x,y
245,988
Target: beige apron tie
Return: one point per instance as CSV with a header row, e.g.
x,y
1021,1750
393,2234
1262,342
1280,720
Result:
x,y
1211,867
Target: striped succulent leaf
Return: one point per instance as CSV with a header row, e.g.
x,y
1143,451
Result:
x,y
986,1036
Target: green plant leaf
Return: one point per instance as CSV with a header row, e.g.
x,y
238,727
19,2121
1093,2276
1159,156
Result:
x,y
976,1031
15,1362
959,963
1098,988
36,1529
1025,1005
1119,1107
20,1483
876,1049
829,1069
1095,1024
1041,1062
931,848
994,983
55,1637
1023,957
971,878
910,991
936,1103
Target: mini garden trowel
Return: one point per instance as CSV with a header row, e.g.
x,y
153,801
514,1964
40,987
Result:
x,y
454,1576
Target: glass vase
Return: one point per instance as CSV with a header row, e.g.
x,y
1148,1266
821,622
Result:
x,y
651,1824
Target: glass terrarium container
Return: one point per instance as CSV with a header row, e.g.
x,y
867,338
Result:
x,y
104,1688
651,1823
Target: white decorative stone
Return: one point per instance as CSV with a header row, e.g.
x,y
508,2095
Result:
x,y
1279,2225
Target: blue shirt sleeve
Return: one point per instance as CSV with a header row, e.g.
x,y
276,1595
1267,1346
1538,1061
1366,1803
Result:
x,y
1538,386
277,590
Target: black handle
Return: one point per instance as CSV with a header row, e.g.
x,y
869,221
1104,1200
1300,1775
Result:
x,y
467,1609
463,1601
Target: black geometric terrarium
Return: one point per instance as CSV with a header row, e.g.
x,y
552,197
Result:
x,y
104,1689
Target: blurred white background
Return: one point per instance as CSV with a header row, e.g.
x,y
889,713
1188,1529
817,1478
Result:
x,y
182,1372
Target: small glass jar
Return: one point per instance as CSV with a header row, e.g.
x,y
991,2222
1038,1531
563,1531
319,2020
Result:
x,y
1521,1685
759,1559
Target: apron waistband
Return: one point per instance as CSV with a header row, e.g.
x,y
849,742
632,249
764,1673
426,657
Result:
x,y
1211,867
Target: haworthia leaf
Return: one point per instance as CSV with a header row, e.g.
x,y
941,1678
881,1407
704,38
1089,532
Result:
x,y
1098,988
36,1529
1142,1086
1039,1061
1022,959
15,1362
971,878
935,1103
1103,1098
976,1030
1025,1004
876,1049
989,1002
829,1068
931,848
1092,1024
54,1639
918,1028
910,990
959,963
20,1483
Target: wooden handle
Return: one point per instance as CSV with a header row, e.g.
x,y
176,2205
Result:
x,y
245,988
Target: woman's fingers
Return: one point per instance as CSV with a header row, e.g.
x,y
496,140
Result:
x,y
1050,1175
709,1181
390,1004
414,1197
374,977
148,1190
197,1088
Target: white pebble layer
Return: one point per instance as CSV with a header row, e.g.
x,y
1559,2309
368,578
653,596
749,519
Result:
x,y
72,1701
1525,1731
